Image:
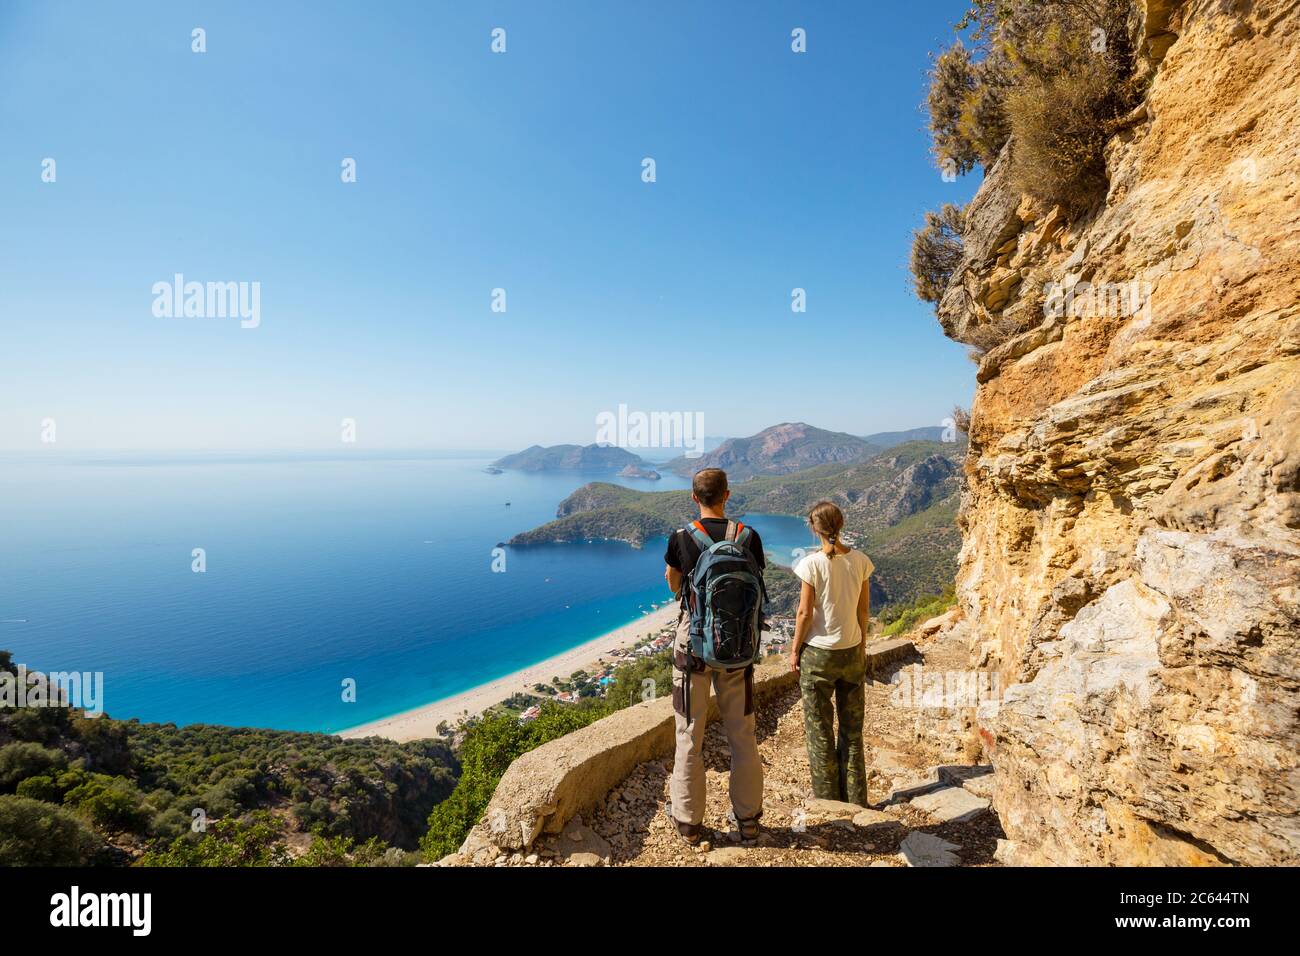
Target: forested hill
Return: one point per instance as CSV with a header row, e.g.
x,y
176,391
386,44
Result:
x,y
900,506
76,790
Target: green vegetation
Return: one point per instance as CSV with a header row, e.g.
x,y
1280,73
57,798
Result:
x,y
131,788
33,833
258,839
488,748
901,618
782,591
492,743
916,556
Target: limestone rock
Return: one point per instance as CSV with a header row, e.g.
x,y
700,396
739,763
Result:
x,y
925,849
875,822
1131,519
579,845
727,856
980,786
934,625
831,809
951,804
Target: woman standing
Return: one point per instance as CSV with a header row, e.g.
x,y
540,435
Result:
x,y
829,652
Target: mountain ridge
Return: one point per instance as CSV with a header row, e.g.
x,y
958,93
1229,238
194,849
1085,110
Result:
x,y
779,449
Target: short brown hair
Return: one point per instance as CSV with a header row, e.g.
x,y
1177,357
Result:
x,y
709,486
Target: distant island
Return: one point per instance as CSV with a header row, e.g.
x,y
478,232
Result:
x,y
493,470
637,471
571,458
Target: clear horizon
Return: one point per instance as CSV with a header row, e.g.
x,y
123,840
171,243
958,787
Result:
x,y
475,171
361,451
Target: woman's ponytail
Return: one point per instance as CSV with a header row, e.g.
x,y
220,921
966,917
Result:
x,y
828,521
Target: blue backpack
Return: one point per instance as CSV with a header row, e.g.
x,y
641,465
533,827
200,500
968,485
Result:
x,y
725,599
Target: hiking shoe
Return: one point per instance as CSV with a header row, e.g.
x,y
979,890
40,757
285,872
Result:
x,y
749,830
692,833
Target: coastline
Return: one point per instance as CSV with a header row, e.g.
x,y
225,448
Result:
x,y
423,721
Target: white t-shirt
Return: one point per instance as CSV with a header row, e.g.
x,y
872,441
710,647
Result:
x,y
838,582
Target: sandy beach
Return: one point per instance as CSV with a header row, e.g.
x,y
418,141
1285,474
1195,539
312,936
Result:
x,y
423,721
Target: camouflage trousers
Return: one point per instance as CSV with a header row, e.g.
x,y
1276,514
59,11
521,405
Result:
x,y
831,682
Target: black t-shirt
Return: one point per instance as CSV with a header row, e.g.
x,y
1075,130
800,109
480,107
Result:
x,y
683,552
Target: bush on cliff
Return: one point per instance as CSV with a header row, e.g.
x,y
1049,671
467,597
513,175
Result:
x,y
1053,77
936,252
968,124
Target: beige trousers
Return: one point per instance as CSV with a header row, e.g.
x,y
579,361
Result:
x,y
734,690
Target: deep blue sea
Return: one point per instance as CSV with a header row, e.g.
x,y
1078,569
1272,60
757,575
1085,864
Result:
x,y
318,569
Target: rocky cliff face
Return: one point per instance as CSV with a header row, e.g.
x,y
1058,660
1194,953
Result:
x,y
1131,555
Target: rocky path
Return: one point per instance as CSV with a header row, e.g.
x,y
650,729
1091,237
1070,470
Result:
x,y
929,806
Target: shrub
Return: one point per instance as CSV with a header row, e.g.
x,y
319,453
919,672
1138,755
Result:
x,y
1053,76
1061,124
985,337
937,251
337,851
36,724
41,787
967,122
489,747
25,759
109,802
254,841
901,618
33,833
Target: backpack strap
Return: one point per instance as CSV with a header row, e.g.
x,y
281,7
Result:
x,y
696,530
743,533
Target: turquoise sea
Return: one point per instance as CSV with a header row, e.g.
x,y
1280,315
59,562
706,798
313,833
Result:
x,y
319,569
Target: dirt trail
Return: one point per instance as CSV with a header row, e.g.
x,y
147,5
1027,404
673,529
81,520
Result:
x,y
905,746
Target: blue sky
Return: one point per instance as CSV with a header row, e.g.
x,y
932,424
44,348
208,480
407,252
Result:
x,y
475,171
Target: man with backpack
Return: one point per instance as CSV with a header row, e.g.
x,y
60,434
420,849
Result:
x,y
715,567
